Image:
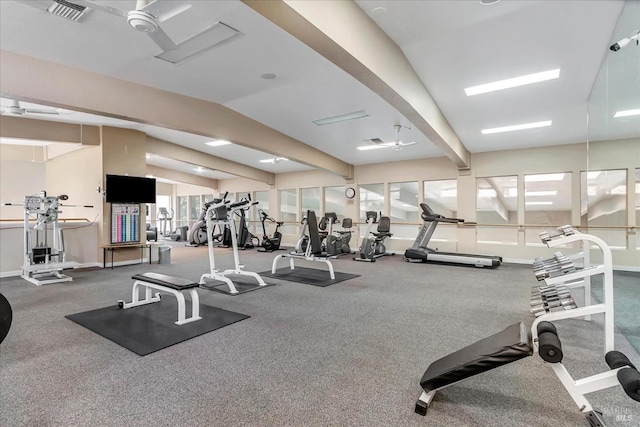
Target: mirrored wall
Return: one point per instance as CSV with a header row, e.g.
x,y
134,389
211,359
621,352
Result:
x,y
609,187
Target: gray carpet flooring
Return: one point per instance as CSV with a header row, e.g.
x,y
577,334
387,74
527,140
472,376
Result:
x,y
351,354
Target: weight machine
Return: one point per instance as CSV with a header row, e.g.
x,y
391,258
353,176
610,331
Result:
x,y
44,262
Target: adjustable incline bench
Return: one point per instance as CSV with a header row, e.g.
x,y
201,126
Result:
x,y
171,285
313,251
515,343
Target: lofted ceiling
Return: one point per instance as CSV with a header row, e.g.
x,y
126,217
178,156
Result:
x,y
450,45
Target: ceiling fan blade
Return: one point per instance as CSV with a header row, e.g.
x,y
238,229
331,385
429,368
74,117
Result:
x,y
101,7
406,144
166,9
162,40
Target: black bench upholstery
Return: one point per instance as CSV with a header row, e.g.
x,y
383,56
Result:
x,y
507,346
167,281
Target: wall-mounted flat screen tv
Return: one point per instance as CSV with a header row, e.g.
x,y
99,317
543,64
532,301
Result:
x,y
130,189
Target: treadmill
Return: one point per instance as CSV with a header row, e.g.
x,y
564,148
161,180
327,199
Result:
x,y
419,252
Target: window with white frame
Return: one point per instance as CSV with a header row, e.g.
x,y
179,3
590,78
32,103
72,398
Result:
x,y
603,204
288,211
547,203
442,197
497,207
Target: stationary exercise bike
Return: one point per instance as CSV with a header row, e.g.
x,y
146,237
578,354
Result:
x,y
337,245
269,244
373,247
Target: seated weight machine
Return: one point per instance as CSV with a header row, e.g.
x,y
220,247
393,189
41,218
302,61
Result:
x,y
44,259
373,247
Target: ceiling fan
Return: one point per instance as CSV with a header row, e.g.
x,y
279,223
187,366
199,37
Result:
x,y
275,160
396,145
14,108
146,17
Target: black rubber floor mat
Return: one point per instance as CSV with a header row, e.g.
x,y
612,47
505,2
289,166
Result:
x,y
309,276
149,328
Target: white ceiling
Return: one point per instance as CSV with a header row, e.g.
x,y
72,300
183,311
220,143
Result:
x,y
451,45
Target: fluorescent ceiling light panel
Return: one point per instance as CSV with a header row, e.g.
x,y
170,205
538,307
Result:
x,y
517,127
538,203
212,36
343,118
272,160
544,177
513,82
372,147
217,143
627,113
541,193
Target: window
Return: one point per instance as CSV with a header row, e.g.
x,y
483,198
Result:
x,y
371,198
497,206
404,209
334,201
194,207
547,202
310,199
442,197
288,211
183,212
603,203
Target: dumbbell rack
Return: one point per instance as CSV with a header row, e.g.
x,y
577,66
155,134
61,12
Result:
x,y
562,277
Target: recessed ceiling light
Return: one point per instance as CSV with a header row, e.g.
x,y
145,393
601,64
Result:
x,y
217,143
488,2
199,169
268,76
342,118
538,203
517,127
544,177
627,113
513,82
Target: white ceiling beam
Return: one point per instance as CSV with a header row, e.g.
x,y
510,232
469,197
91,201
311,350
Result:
x,y
198,158
29,79
341,32
186,178
46,130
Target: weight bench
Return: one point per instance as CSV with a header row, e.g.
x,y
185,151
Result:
x,y
171,285
314,249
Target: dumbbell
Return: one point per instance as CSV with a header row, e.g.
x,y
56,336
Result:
x,y
541,302
551,306
554,258
542,290
542,275
557,264
565,230
537,299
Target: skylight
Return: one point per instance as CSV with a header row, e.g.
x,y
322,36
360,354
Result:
x,y
513,82
517,127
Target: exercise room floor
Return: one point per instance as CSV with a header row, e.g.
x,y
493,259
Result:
x,y
350,354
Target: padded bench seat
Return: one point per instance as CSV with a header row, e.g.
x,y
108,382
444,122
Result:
x,y
167,281
507,346
168,284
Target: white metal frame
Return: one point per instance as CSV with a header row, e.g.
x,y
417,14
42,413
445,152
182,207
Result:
x,y
149,299
578,279
214,273
46,209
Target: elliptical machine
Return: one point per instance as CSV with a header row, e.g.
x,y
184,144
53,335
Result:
x,y
269,244
197,234
245,238
373,247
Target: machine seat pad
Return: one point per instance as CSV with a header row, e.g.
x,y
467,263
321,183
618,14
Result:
x,y
382,234
507,346
166,281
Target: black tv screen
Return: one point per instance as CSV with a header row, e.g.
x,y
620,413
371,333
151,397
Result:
x,y
130,189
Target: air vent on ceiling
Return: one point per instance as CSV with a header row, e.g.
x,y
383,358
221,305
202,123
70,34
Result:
x,y
376,140
67,10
